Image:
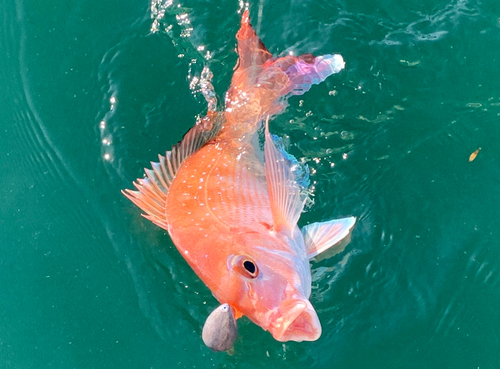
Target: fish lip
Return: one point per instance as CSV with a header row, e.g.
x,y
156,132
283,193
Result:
x,y
296,321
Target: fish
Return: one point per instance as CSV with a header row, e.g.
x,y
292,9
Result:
x,y
230,197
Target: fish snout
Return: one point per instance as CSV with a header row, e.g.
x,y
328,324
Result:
x,y
296,321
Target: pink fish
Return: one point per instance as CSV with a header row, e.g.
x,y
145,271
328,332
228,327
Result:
x,y
231,204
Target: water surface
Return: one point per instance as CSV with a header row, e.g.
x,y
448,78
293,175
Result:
x,y
93,91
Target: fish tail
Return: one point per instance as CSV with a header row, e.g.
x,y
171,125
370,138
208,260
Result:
x,y
307,70
251,50
262,83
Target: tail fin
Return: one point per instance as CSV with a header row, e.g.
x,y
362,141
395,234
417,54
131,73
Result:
x,y
307,70
251,50
262,81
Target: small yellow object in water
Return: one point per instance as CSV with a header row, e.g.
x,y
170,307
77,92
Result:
x,y
473,155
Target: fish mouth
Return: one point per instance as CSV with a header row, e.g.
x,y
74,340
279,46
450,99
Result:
x,y
297,321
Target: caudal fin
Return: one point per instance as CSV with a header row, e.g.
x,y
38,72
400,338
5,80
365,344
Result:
x,y
307,70
263,82
251,50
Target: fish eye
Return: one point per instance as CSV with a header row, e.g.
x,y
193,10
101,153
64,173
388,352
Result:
x,y
246,267
250,266
250,269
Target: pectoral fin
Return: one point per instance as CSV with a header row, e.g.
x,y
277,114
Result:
x,y
283,176
323,236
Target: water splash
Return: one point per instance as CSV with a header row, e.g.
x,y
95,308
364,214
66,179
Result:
x,y
173,19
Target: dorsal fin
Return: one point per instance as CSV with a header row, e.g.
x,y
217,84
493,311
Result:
x,y
153,189
286,195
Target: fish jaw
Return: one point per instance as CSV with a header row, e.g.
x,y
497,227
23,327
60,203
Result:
x,y
296,320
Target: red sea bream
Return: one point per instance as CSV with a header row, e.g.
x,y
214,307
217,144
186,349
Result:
x,y
230,196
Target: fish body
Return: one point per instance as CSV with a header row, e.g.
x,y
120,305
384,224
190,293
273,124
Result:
x,y
231,204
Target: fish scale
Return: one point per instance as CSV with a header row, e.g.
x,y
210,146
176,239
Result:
x,y
222,182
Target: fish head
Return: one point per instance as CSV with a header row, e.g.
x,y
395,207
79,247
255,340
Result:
x,y
270,283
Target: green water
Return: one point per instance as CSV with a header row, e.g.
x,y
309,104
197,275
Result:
x,y
89,95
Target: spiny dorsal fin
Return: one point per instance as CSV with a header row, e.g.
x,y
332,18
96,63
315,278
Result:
x,y
286,195
322,236
153,189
